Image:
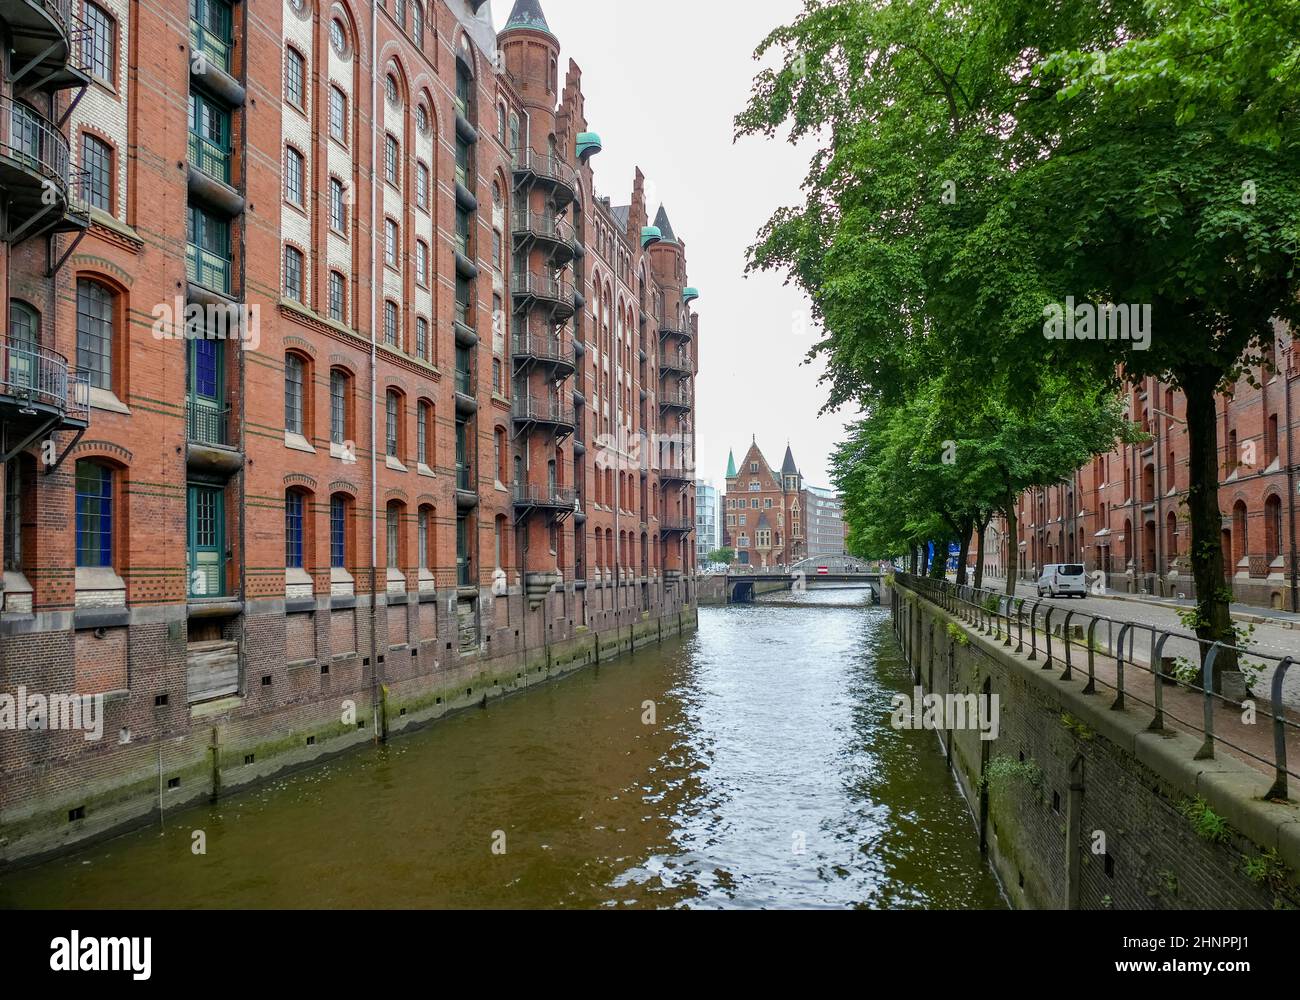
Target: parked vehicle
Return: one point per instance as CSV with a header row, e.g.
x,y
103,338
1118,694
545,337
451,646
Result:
x,y
1063,580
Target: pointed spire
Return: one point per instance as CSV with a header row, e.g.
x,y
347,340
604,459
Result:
x,y
788,468
731,464
664,226
527,14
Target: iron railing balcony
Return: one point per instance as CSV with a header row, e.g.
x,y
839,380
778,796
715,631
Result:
x,y
676,474
547,228
207,269
34,160
540,348
530,409
208,425
680,400
676,364
676,524
464,573
549,497
667,331
214,48
35,380
549,169
48,41
465,479
555,291
211,159
465,381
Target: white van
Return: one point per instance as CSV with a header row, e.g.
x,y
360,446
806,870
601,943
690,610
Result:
x,y
1063,580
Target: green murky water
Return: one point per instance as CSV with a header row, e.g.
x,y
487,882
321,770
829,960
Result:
x,y
769,778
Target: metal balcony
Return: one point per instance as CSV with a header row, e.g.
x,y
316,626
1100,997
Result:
x,y
553,235
675,525
214,49
676,364
669,331
207,269
551,413
555,294
34,173
552,352
561,499
680,400
47,38
532,167
40,390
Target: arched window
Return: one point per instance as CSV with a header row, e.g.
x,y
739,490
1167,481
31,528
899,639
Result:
x,y
339,511
424,434
1272,528
392,423
502,122
340,406
293,273
95,333
417,23
295,506
514,132
339,38
1240,533
95,515
295,381
393,534
24,339
425,541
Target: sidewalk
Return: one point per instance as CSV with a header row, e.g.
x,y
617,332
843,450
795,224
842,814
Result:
x,y
1246,613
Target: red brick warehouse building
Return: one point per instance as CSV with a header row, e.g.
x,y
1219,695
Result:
x,y
765,512
1125,512
310,351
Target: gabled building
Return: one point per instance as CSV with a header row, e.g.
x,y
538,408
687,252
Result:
x,y
765,511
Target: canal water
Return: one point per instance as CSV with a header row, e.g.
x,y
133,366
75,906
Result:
x,y
768,777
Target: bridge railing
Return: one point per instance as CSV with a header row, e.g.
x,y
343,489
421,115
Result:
x,y
1136,662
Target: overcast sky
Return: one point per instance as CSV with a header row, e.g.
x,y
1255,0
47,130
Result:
x,y
663,81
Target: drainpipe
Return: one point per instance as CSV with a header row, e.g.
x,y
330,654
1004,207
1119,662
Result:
x,y
379,726
1291,480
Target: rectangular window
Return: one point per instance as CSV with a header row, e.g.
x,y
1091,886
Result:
x,y
209,141
338,533
338,206
424,538
392,416
207,511
394,538
392,157
94,515
211,31
338,407
97,161
293,273
338,115
293,176
295,74
390,324
421,264
293,377
422,434
422,186
293,530
422,338
100,45
13,555
95,333
391,241
338,300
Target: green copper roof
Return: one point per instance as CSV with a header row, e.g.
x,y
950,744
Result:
x,y
731,465
650,235
588,144
527,14
690,294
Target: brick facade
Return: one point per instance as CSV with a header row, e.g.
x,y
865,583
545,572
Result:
x,y
1125,513
399,443
764,512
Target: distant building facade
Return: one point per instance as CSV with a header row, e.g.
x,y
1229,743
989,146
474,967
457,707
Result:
x,y
826,533
765,511
707,538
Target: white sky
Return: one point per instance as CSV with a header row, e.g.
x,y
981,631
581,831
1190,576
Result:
x,y
663,81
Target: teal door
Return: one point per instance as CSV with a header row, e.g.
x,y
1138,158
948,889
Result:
x,y
207,542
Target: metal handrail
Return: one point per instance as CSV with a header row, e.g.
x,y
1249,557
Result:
x,y
679,398
31,139
985,608
207,424
549,226
209,158
565,497
36,374
681,363
211,45
676,524
551,411
545,165
541,286
536,345
205,268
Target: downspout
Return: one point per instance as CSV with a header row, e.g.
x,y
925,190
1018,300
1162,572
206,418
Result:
x,y
379,725
1290,480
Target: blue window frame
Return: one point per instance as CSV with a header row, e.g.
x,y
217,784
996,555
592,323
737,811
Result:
x,y
293,530
338,532
94,515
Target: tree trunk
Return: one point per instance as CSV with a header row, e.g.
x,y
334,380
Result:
x,y
922,560
1013,545
939,564
979,552
1213,596
967,525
